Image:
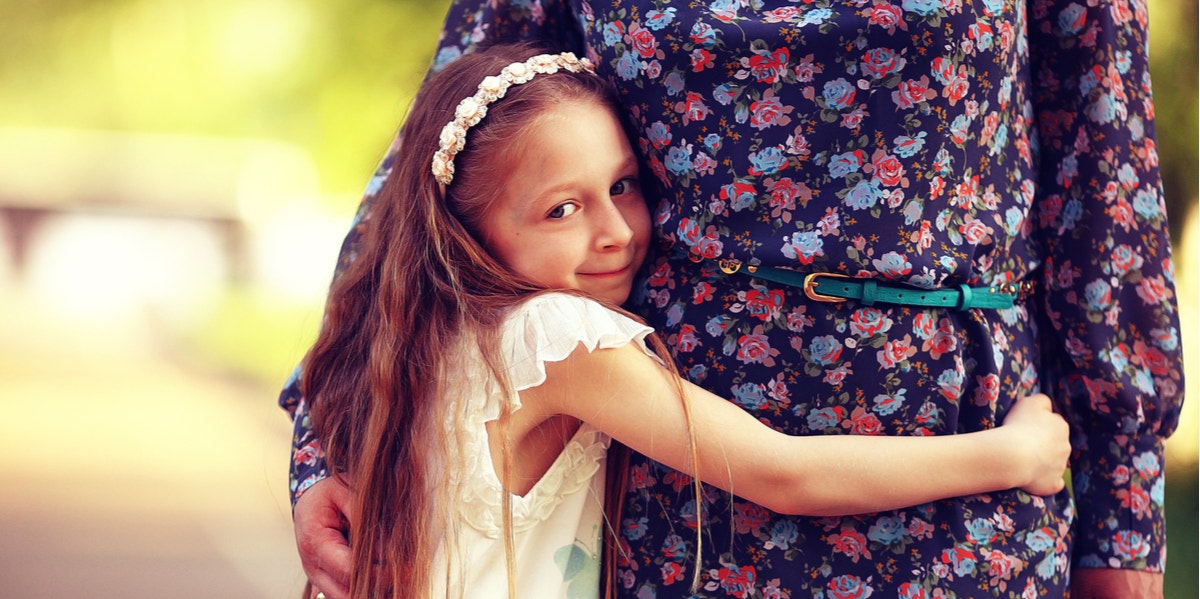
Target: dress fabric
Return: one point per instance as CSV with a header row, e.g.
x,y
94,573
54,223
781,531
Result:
x,y
925,142
557,524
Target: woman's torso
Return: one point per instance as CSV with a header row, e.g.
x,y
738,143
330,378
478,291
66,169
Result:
x,y
868,139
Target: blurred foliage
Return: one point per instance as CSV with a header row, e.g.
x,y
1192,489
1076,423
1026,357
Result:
x,y
334,78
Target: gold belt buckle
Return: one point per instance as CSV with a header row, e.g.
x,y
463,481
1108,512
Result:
x,y
729,266
810,287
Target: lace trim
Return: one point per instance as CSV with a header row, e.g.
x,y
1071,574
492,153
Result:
x,y
571,471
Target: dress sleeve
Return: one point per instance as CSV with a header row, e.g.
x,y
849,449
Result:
x,y
548,328
468,24
1110,319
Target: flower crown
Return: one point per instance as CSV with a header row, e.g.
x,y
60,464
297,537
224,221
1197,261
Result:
x,y
493,87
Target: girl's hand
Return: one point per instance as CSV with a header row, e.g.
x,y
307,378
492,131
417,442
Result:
x,y
1042,441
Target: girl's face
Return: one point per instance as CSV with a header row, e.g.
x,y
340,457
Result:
x,y
570,212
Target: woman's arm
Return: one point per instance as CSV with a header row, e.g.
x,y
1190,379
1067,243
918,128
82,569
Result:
x,y
635,400
1110,320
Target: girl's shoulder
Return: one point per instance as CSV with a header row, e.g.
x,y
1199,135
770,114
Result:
x,y
549,327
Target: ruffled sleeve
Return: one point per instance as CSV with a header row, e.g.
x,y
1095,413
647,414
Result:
x,y
1110,306
548,328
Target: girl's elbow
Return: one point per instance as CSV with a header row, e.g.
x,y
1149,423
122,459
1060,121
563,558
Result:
x,y
792,498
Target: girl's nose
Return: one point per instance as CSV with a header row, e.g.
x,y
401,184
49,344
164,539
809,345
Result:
x,y
614,230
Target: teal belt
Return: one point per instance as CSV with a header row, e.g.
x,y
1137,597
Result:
x,y
831,287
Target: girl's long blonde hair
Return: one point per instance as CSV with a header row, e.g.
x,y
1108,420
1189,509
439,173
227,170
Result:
x,y
419,285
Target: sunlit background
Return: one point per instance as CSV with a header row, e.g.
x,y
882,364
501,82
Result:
x,y
175,180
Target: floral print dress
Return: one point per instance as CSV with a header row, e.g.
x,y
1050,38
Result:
x,y
932,143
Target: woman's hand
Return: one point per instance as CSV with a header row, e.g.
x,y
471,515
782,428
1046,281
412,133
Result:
x,y
322,532
1041,437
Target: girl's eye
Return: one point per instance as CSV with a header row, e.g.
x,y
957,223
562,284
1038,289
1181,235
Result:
x,y
564,210
623,186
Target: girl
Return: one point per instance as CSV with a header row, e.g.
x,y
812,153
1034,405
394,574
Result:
x,y
470,408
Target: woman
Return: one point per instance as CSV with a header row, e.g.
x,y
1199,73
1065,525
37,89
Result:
x,y
919,145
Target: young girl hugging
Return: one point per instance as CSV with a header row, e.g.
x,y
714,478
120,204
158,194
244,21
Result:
x,y
474,364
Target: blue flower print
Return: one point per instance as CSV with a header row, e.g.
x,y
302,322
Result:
x,y
767,161
688,232
907,147
958,129
824,350
679,159
445,56
674,547
921,7
887,404
783,534
982,33
841,165
1047,567
1071,214
750,395
881,62
712,141
1039,540
816,16
674,314
892,265
963,560
659,134
804,246
864,195
839,94
1157,491
886,530
1124,61
981,531
993,7
1130,545
703,34
724,10
1013,219
1147,204
658,19
1097,295
634,529
627,66
1104,109
824,418
717,325
673,83
613,32
999,139
849,585
724,94
1072,19
942,163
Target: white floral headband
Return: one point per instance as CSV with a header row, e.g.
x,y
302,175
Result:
x,y
493,87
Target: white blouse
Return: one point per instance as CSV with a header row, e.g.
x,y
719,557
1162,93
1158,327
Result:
x,y
557,525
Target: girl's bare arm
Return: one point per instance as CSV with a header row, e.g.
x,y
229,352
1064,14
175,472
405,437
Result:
x,y
634,399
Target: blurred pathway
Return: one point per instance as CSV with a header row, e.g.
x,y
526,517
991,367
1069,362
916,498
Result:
x,y
125,475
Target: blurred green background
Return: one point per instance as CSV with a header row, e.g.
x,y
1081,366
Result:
x,y
203,161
